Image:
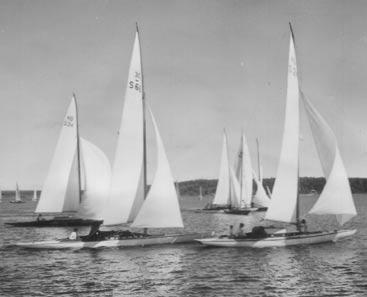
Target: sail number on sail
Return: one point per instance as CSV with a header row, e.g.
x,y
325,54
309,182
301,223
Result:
x,y
69,121
136,85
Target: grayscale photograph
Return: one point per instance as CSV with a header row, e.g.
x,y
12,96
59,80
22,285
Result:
x,y
183,148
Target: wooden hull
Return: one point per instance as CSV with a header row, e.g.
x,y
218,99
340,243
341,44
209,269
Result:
x,y
279,240
70,222
130,242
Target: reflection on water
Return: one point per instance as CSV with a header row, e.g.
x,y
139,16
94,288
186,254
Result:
x,y
185,270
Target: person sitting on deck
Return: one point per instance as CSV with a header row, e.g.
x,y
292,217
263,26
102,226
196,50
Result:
x,y
303,226
74,235
240,231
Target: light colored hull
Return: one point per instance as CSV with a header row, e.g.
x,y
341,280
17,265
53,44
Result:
x,y
279,241
77,244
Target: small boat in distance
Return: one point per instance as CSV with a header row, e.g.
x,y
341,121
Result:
x,y
227,192
249,203
35,197
129,199
335,199
201,193
18,197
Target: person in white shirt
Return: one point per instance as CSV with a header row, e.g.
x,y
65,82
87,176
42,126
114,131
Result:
x,y
74,235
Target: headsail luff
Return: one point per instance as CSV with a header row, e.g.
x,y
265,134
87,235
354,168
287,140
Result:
x,y
336,197
160,208
284,197
127,187
96,172
222,193
56,186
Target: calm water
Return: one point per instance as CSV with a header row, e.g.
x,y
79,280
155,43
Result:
x,y
184,270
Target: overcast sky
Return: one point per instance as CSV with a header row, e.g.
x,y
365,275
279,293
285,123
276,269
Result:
x,y
208,65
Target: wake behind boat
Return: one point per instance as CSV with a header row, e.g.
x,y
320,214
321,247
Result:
x,y
336,197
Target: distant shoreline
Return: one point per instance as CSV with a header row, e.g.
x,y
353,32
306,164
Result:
x,y
308,185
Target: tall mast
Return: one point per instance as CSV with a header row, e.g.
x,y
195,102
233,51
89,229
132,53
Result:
x,y
78,150
258,158
144,123
298,183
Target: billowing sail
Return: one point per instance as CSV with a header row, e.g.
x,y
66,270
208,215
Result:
x,y
96,173
260,198
126,191
57,194
223,187
336,197
160,208
235,192
284,197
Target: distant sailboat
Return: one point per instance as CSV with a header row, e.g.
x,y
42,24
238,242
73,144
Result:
x,y
77,180
200,193
227,194
34,195
336,197
129,199
245,174
18,198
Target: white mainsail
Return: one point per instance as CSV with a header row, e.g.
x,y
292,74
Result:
x,y
336,197
244,173
96,173
60,191
235,191
127,189
260,198
222,193
160,208
284,197
17,193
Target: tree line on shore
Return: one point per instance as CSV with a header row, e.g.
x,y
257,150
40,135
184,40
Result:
x,y
307,185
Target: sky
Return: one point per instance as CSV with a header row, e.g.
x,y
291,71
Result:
x,y
208,66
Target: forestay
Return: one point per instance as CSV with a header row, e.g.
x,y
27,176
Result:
x,y
126,191
222,193
284,197
336,197
160,208
56,186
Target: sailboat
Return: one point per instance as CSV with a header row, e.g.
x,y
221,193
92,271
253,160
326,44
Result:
x,y
129,199
245,174
336,197
35,197
201,193
228,189
77,181
18,198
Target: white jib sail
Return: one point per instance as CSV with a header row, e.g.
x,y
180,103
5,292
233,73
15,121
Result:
x,y
160,208
222,193
126,191
235,192
55,189
247,187
284,197
260,198
97,177
336,197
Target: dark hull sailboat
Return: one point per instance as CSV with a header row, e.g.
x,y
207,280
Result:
x,y
55,222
